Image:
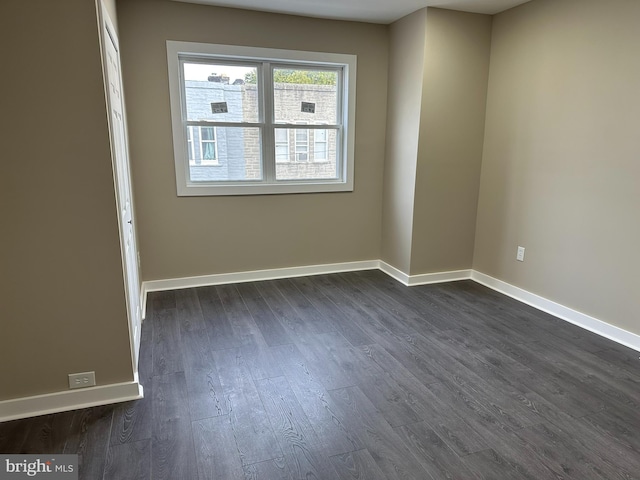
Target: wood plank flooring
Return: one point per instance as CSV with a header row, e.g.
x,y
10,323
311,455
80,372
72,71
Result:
x,y
354,376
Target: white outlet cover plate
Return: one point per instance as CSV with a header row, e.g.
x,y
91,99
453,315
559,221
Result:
x,y
82,380
520,254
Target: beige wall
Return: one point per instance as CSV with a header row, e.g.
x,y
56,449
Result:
x,y
204,235
438,73
561,169
456,72
406,70
63,303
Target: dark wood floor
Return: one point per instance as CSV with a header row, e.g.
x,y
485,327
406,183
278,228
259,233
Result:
x,y
354,376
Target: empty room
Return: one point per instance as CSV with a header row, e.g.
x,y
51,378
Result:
x,y
331,240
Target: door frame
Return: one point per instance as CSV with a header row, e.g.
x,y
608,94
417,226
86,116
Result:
x,y
106,28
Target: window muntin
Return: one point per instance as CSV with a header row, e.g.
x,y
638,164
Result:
x,y
251,149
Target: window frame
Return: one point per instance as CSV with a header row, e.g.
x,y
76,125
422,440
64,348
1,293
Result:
x,y
268,58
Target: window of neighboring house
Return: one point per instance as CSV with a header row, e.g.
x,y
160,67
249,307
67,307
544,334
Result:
x,y
302,145
320,146
208,146
259,111
282,145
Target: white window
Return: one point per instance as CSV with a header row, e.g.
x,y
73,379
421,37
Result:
x,y
302,145
282,145
320,146
258,112
208,146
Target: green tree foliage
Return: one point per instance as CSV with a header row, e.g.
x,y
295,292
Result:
x,y
313,77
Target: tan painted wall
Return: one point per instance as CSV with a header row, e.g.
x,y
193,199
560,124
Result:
x,y
205,235
452,116
561,169
438,73
406,70
62,306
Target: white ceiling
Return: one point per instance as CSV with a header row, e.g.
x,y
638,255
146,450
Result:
x,y
374,11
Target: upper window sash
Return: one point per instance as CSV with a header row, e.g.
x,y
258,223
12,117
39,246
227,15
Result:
x,y
197,103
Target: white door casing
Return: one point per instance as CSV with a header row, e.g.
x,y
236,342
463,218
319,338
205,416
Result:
x,y
122,178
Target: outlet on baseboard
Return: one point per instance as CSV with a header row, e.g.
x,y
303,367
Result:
x,y
81,380
520,254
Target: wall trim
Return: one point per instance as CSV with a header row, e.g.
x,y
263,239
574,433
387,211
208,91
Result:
x,y
424,278
394,273
256,275
439,277
69,400
599,327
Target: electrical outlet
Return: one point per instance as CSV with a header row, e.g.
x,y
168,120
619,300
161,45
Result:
x,y
520,254
81,380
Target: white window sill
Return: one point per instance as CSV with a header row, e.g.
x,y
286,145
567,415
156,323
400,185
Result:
x,y
257,188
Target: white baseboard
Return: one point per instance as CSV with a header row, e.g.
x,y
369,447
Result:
x,y
439,277
143,300
255,275
575,317
425,278
394,273
69,400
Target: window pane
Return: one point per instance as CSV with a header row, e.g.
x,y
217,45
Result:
x,y
209,151
233,156
302,135
318,89
302,144
207,133
282,136
319,145
227,86
307,166
282,153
